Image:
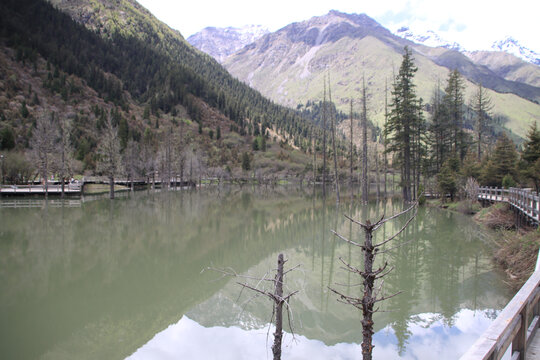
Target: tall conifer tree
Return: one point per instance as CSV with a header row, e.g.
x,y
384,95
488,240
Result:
x,y
403,121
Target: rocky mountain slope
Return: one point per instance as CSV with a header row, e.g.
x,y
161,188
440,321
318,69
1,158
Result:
x,y
222,42
117,61
507,58
507,66
289,65
512,46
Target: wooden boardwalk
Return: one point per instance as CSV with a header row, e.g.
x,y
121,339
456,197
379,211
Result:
x,y
515,329
13,190
523,200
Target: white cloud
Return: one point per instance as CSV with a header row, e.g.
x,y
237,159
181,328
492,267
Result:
x,y
429,336
474,24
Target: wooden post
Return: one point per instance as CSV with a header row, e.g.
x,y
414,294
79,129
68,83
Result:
x,y
278,303
519,343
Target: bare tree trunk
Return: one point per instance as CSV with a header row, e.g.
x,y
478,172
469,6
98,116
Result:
x,y
314,157
275,294
377,172
368,298
111,187
62,173
351,150
365,185
371,295
324,138
385,122
46,187
333,119
278,308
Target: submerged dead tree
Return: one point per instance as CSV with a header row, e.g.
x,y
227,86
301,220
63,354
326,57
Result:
x,y
365,176
334,151
274,293
372,294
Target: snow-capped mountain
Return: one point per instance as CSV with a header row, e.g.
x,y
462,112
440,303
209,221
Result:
x,y
222,42
512,46
429,38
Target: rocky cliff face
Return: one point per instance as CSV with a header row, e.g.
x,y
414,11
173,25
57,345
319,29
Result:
x,y
222,42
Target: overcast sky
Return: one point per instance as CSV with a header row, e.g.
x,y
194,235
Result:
x,y
475,24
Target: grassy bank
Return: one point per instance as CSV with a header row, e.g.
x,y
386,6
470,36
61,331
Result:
x,y
515,250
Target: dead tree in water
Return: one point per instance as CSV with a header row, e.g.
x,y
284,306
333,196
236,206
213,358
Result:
x,y
333,121
275,294
365,175
372,294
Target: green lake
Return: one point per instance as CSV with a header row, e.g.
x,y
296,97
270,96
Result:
x,y
100,279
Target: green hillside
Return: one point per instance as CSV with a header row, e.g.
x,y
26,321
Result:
x,y
291,71
126,65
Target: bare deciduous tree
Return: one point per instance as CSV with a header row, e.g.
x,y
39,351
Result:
x,y
372,293
109,154
42,147
133,162
65,149
274,293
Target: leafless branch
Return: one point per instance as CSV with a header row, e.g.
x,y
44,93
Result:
x,y
383,221
400,230
395,247
387,297
347,240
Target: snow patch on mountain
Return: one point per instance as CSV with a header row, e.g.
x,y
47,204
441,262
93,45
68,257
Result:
x,y
222,42
512,46
429,38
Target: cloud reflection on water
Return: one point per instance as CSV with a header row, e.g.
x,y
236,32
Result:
x,y
430,337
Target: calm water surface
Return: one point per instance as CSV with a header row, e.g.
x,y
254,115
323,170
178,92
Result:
x,y
122,279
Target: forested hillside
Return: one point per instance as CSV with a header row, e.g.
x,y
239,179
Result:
x,y
126,66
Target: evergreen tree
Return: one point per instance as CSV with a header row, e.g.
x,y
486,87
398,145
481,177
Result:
x,y
530,163
454,103
246,161
123,132
503,162
7,138
481,107
447,178
440,138
403,121
24,110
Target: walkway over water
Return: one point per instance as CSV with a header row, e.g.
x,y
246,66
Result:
x,y
523,200
516,325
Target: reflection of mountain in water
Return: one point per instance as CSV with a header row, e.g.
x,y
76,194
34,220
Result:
x,y
189,340
444,270
110,275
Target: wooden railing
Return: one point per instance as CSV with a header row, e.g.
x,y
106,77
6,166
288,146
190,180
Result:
x,y
516,325
526,201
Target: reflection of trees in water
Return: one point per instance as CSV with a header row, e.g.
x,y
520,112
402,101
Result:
x,y
133,265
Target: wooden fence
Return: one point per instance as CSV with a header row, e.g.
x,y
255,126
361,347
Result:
x,y
516,325
524,200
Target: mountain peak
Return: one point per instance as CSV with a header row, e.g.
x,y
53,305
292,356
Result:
x,y
428,38
512,46
222,42
332,27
